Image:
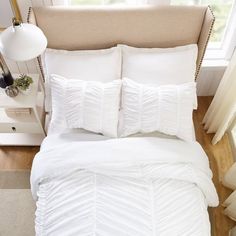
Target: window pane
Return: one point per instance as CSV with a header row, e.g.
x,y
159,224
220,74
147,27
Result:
x,y
95,2
221,9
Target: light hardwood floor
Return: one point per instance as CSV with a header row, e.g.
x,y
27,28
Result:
x,y
220,157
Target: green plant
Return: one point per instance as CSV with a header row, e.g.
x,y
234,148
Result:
x,y
23,82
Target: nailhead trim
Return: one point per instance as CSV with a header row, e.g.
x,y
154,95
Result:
x,y
40,67
28,16
208,38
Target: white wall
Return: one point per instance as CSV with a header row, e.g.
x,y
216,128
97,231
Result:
x,y
6,13
209,79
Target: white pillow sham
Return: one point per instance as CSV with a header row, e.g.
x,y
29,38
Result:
x,y
167,109
91,65
90,105
159,66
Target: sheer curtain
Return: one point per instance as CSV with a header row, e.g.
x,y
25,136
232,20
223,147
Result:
x,y
230,203
222,110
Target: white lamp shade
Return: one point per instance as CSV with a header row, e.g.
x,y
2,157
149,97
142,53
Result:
x,y
22,42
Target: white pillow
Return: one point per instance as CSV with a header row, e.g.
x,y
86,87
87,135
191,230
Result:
x,y
160,66
91,105
167,109
90,65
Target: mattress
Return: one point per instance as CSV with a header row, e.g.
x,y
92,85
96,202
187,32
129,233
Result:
x,y
130,186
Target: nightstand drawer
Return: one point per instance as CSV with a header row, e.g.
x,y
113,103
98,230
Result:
x,y
32,128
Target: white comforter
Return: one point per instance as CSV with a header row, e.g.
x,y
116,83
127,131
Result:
x,y
131,186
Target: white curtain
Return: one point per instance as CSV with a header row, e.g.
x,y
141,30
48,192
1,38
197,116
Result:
x,y
232,232
222,110
230,203
230,178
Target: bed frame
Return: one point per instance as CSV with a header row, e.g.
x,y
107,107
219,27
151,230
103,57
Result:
x,y
76,28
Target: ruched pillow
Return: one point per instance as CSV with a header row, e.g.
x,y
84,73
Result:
x,y
167,109
90,105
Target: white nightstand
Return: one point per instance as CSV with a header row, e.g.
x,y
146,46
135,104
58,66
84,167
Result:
x,y
24,128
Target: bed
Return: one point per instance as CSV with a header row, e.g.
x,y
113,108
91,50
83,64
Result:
x,y
141,183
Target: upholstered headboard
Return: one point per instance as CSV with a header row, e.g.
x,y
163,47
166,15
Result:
x,y
75,28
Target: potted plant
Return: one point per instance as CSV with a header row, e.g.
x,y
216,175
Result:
x,y
23,83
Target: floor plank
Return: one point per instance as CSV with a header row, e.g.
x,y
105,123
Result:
x,y
220,157
17,157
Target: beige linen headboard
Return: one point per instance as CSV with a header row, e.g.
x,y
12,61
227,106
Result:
x,y
75,28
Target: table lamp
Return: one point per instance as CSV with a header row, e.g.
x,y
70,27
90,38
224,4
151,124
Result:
x,y
19,42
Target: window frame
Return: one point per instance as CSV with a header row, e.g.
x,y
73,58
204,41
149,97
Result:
x,y
227,46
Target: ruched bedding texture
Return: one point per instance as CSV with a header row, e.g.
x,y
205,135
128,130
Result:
x,y
130,186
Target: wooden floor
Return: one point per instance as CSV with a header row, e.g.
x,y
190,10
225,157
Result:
x,y
220,157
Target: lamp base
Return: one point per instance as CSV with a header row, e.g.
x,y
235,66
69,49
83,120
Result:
x,y
11,91
6,79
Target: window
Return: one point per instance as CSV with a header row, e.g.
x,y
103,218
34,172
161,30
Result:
x,y
223,38
221,9
96,2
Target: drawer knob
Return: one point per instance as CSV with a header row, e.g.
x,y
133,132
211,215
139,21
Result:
x,y
13,129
